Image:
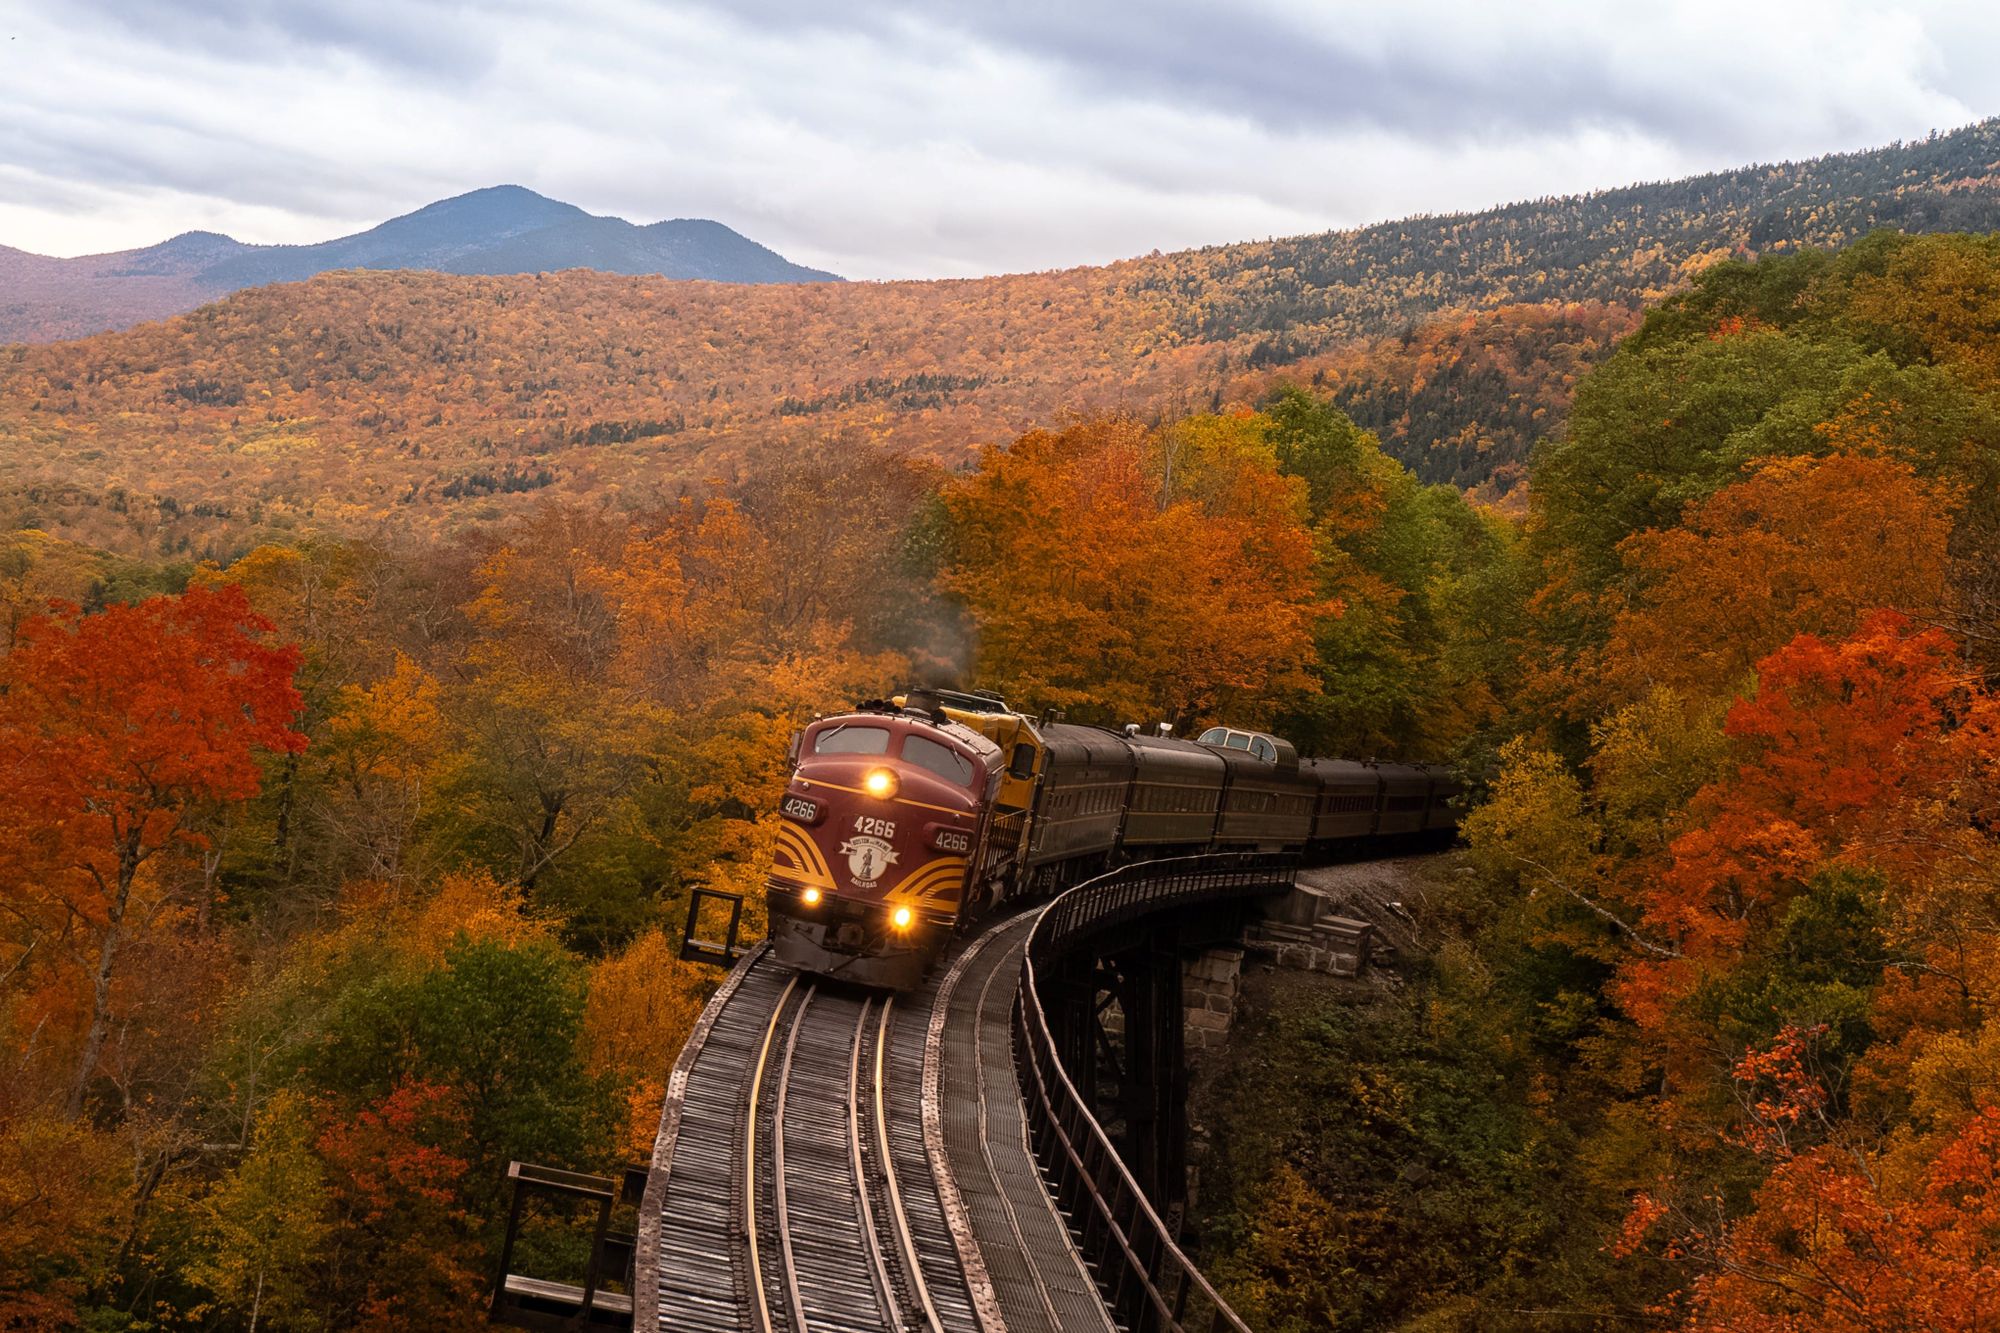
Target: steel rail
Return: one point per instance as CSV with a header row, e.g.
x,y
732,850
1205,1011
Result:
x,y
780,1186
769,1214
761,1298
958,1216
899,1220
864,1209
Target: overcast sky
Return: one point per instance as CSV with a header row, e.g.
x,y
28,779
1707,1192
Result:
x,y
933,138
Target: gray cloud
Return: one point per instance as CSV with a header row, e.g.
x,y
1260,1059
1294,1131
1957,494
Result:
x,y
895,138
419,36
1264,65
1458,70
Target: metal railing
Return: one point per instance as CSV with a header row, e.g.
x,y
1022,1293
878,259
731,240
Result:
x,y
1151,1284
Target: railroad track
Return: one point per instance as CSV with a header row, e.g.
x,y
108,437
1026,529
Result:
x,y
796,1193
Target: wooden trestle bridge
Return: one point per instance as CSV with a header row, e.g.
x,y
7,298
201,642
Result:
x,y
987,1153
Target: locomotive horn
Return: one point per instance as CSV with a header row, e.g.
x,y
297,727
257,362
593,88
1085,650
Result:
x,y
925,700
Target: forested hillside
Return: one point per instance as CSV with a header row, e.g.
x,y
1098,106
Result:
x,y
1632,244
1705,1037
425,402
1463,398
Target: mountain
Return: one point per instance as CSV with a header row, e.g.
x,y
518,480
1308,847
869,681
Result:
x,y
505,229
432,401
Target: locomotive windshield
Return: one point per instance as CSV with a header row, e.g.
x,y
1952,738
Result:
x,y
852,738
942,760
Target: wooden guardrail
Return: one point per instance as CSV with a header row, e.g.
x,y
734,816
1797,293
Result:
x,y
522,1301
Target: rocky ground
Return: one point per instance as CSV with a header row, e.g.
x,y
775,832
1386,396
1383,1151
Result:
x,y
1393,893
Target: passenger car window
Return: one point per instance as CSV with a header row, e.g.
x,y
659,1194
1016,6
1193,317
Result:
x,y
942,760
852,739
1264,750
1238,741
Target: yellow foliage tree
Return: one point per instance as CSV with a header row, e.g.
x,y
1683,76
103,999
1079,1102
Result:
x,y
261,1230
642,1004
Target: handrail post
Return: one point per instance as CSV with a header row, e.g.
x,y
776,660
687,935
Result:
x,y
593,1274
513,1229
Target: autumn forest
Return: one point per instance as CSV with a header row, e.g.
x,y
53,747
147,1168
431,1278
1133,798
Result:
x,y
383,658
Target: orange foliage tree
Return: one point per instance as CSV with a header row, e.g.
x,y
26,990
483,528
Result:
x,y
1835,1247
1836,732
1094,575
1800,546
401,1240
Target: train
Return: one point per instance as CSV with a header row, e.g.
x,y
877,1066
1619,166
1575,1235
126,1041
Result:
x,y
907,820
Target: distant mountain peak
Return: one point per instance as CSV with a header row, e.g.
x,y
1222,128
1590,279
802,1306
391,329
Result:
x,y
515,208
495,230
506,190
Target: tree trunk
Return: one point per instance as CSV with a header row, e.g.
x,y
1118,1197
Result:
x,y
281,837
538,854
107,954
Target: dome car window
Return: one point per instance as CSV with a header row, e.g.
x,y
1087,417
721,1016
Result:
x,y
942,760
850,739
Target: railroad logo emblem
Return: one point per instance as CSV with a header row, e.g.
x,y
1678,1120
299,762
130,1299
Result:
x,y
867,858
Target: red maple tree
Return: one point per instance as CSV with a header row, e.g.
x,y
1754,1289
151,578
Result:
x,y
118,730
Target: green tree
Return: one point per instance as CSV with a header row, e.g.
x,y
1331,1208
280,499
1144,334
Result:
x,y
502,1026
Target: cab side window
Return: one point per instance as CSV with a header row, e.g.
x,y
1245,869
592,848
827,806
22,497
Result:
x,y
1023,762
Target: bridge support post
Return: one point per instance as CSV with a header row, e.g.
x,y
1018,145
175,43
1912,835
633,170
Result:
x,y
1120,1022
1152,1084
1075,1020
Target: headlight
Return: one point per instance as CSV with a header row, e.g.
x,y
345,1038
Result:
x,y
810,897
880,783
901,916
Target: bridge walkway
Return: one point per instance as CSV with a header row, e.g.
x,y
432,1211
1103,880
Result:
x,y
1040,1281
